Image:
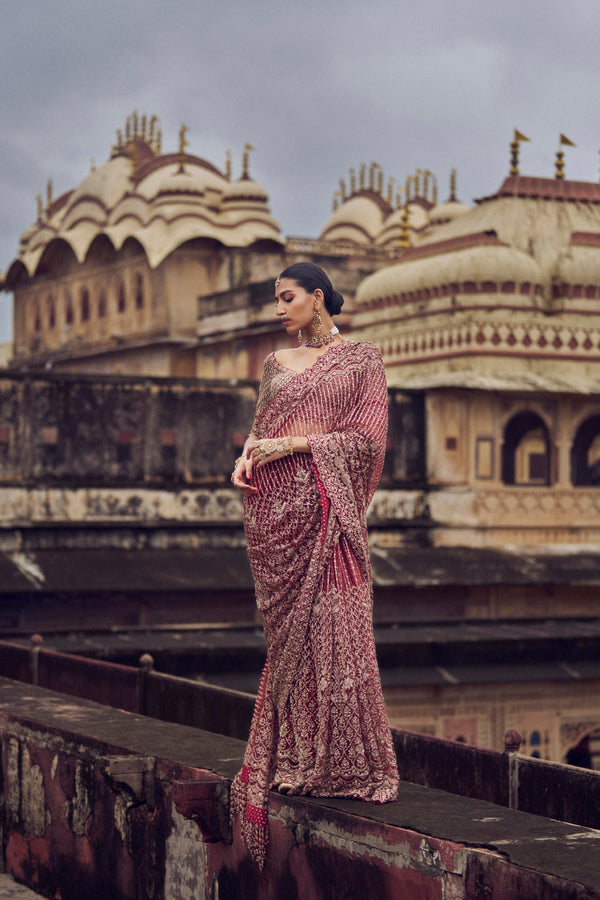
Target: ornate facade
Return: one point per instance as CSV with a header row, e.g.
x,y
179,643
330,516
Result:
x,y
160,264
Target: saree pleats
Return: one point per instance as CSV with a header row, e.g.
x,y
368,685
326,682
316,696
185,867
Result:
x,y
319,725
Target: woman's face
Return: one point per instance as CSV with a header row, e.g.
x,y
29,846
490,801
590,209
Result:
x,y
295,305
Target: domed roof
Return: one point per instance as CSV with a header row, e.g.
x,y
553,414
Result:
x,y
475,260
447,212
392,228
168,200
103,186
244,189
358,219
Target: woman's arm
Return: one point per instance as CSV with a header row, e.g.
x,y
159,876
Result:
x,y
257,453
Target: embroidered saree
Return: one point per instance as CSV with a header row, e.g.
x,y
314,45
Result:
x,y
319,725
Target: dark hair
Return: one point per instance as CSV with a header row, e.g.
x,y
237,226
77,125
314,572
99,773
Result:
x,y
310,277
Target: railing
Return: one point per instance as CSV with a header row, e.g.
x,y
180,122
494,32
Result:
x,y
505,778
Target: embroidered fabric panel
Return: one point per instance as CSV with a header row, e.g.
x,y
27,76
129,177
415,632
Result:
x,y
319,723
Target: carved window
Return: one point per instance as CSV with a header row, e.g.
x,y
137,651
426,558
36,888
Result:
x,y
68,309
102,304
84,305
526,456
51,312
585,453
139,292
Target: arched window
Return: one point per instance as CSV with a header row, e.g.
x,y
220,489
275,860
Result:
x,y
84,305
585,453
121,299
526,451
68,308
51,311
37,319
139,292
102,304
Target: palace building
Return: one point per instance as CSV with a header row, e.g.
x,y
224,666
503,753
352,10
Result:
x,y
161,266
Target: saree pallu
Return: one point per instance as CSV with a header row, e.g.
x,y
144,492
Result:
x,y
319,725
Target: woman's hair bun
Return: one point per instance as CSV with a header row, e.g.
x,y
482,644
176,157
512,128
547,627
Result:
x,y
334,306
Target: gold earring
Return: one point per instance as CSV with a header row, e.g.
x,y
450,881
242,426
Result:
x,y
317,322
299,335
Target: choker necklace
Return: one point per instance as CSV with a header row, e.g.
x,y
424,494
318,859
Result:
x,y
318,340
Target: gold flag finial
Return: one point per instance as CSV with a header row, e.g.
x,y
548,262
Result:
x,y
518,137
183,143
565,141
559,165
248,148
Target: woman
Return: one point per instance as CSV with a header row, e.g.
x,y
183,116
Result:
x,y
308,472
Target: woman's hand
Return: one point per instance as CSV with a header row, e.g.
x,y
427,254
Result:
x,y
267,450
242,475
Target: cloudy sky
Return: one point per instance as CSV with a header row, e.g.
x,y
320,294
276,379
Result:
x,y
316,86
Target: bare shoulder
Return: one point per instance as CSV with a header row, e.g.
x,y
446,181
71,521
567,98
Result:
x,y
287,355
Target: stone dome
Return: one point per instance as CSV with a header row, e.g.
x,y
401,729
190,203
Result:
x,y
447,212
160,205
358,219
477,260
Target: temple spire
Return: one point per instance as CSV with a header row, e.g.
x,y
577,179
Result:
x,y
514,151
248,148
563,141
183,143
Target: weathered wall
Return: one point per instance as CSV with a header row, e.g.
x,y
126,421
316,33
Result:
x,y
101,804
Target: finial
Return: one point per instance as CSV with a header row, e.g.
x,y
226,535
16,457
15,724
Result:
x,y
49,193
563,141
353,180
183,143
418,187
408,186
452,185
514,151
380,181
228,165
361,176
159,142
390,190
342,192
372,168
151,127
135,125
119,139
426,177
127,129
40,207
144,119
248,148
434,197
336,199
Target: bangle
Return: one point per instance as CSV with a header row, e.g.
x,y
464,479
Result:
x,y
268,446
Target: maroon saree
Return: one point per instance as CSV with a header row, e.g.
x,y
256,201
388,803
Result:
x,y
320,725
